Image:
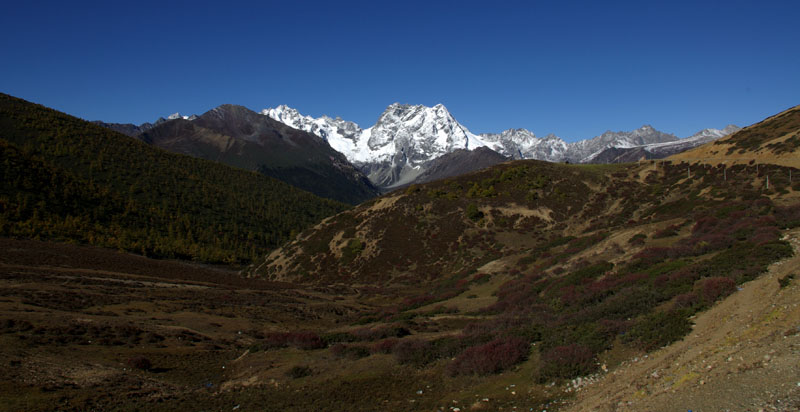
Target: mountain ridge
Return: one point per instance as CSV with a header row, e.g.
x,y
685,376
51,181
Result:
x,y
239,137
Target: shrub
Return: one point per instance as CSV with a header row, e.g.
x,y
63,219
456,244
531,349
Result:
x,y
380,332
711,289
493,357
416,352
300,340
349,351
298,372
788,217
667,232
481,278
140,362
637,239
786,280
566,362
473,213
685,300
658,329
384,346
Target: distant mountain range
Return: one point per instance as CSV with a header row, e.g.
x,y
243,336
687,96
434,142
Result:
x,y
406,138
399,149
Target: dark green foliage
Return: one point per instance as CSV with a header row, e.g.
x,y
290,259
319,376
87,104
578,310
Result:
x,y
66,179
415,352
473,213
566,361
297,372
352,250
786,280
659,328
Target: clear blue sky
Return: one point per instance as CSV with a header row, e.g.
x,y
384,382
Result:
x,y
571,68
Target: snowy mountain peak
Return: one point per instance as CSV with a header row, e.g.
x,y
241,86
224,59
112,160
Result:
x,y
179,116
730,129
422,133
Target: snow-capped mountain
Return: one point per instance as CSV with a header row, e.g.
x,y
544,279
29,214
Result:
x,y
340,134
523,144
702,137
176,115
660,150
585,150
395,150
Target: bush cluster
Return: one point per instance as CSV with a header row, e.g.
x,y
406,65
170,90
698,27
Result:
x,y
495,356
300,340
566,361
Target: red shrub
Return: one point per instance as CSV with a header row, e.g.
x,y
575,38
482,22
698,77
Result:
x,y
613,327
705,224
140,362
685,300
353,352
300,340
711,289
653,254
413,351
380,332
492,357
384,346
566,362
481,278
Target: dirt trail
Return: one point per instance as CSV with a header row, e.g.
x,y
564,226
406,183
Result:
x,y
743,355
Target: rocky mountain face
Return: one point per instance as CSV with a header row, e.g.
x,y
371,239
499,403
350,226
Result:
x,y
133,130
128,129
618,154
397,148
584,150
239,137
524,144
459,162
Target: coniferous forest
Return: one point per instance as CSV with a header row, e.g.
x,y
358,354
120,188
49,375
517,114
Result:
x,y
63,178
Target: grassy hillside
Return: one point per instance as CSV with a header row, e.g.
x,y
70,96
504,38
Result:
x,y
67,179
775,140
560,268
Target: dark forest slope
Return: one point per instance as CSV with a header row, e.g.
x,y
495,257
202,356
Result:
x,y
67,179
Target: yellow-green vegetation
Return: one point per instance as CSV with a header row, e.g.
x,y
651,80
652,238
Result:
x,y
66,179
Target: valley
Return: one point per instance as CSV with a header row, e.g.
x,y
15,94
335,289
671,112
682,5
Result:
x,y
527,285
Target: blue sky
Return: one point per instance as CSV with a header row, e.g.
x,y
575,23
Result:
x,y
571,68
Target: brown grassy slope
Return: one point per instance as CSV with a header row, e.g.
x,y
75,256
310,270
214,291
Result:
x,y
449,228
774,140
